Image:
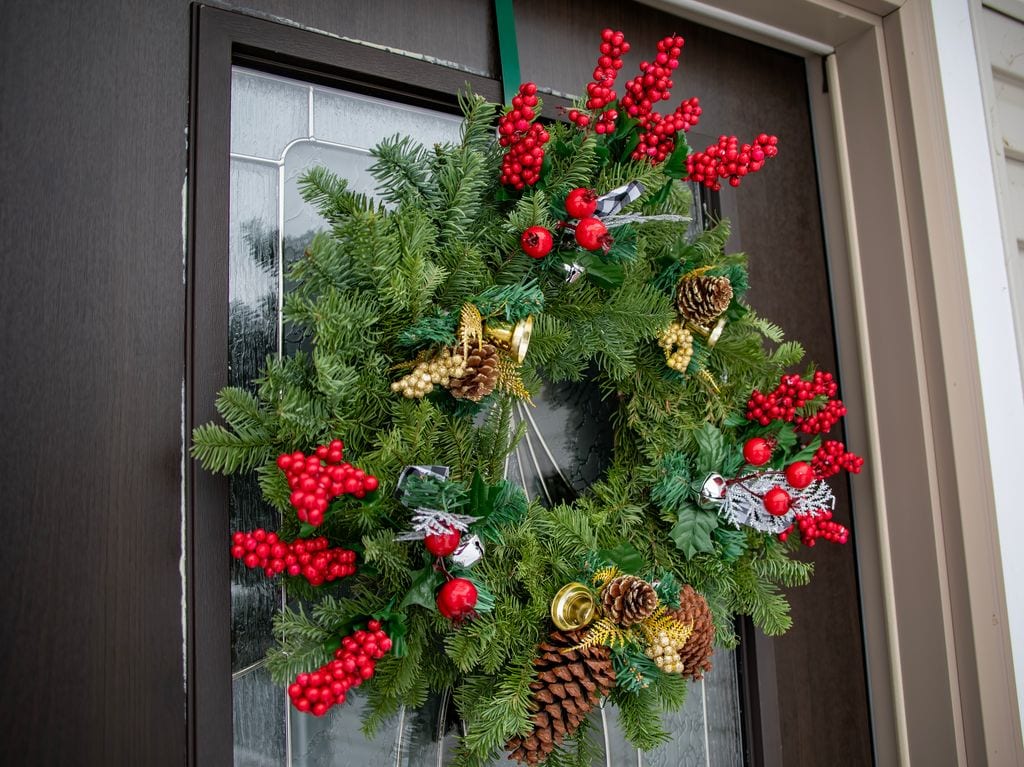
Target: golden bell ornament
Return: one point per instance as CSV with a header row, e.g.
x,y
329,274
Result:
x,y
514,339
573,607
710,335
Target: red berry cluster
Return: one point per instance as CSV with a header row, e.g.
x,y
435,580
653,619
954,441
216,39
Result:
x,y
600,92
822,421
658,131
653,83
794,392
316,479
729,159
524,138
817,526
832,457
310,558
353,664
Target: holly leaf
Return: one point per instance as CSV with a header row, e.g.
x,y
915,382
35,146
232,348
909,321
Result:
x,y
604,274
710,449
675,165
625,557
306,530
424,583
808,451
482,496
692,533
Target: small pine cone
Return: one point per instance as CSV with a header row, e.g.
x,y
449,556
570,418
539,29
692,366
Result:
x,y
696,653
702,298
628,599
569,683
481,374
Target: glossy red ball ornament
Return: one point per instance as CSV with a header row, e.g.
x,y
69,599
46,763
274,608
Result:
x,y
581,203
536,242
443,544
592,234
799,474
757,451
776,501
457,598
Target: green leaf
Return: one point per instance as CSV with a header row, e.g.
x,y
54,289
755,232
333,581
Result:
x,y
625,557
692,533
424,584
808,451
732,541
675,165
711,448
602,273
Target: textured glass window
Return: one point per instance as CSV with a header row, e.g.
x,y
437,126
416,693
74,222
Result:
x,y
280,128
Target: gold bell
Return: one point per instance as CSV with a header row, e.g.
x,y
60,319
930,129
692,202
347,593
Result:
x,y
573,607
512,338
710,336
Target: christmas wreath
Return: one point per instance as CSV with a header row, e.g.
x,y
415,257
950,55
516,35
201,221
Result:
x,y
481,271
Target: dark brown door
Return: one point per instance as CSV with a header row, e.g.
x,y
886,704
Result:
x,y
293,105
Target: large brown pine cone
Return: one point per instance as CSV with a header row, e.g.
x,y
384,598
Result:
x,y
701,298
628,599
569,684
696,653
481,373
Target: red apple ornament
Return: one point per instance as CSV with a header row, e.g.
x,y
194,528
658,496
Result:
x,y
443,544
456,599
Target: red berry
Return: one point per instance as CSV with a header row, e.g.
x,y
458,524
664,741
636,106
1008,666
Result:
x,y
757,451
457,598
581,202
443,544
536,242
592,234
776,501
799,474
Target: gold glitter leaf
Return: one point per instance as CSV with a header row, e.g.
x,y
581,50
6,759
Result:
x,y
509,379
471,327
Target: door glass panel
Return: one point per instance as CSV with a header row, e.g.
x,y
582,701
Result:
x,y
280,128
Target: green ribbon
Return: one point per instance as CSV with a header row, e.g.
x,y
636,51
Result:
x,y
508,48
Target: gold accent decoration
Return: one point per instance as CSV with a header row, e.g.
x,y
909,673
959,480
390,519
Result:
x,y
605,574
606,632
515,339
573,607
710,380
439,369
509,379
471,327
661,622
677,343
710,335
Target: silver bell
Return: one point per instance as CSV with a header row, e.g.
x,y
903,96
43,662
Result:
x,y
712,491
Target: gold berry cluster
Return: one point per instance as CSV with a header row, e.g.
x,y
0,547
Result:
x,y
439,370
663,652
677,342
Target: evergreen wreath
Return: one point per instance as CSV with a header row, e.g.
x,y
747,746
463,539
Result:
x,y
481,271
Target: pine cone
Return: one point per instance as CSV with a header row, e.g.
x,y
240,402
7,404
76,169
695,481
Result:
x,y
701,299
696,653
481,373
569,684
628,599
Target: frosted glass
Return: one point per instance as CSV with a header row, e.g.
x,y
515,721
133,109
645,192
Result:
x,y
258,716
301,221
267,113
362,121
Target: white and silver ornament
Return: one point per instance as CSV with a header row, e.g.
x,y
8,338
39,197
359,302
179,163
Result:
x,y
743,503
